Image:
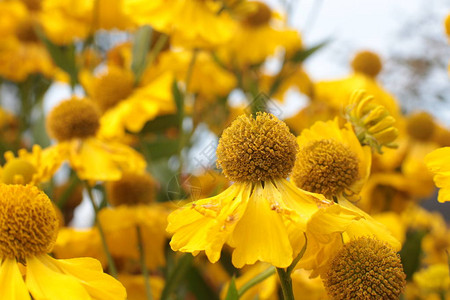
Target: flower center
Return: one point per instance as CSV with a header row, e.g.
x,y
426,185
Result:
x,y
73,118
260,15
365,268
28,222
112,87
131,189
326,167
18,171
256,149
368,63
420,126
25,31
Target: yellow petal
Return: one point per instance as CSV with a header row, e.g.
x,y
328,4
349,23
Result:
x,y
261,233
46,282
89,273
11,282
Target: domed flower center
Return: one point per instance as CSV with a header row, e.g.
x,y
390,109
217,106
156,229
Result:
x,y
112,87
368,63
131,189
18,171
420,126
25,31
256,149
365,268
260,15
73,118
326,167
28,222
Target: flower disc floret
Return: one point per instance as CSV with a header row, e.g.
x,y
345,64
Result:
x,y
28,222
73,118
326,167
256,149
365,268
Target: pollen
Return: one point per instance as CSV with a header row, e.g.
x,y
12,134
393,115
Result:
x,y
256,149
367,62
131,189
326,167
28,222
259,15
112,87
365,268
73,118
18,171
420,126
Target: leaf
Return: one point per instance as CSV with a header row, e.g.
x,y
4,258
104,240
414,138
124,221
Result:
x,y
303,54
177,275
232,293
178,97
412,251
141,46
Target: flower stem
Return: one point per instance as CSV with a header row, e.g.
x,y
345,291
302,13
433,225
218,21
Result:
x,y
111,264
148,289
286,284
255,280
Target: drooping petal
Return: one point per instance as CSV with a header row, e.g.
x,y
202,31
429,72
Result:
x,y
261,233
46,282
12,285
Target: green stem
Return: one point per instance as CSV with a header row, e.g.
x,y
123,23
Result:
x,y
159,45
297,259
286,284
111,264
177,274
144,268
257,279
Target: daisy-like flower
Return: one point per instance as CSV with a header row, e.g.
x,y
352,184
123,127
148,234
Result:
x,y
33,167
331,161
367,63
74,124
28,229
438,162
131,198
262,215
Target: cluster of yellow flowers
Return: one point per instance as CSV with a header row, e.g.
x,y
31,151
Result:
x,y
325,204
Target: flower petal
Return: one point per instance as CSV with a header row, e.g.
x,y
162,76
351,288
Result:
x,y
12,285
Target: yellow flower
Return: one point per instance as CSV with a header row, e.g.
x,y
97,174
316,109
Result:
x,y
337,93
33,167
365,268
262,216
74,124
438,162
367,63
303,284
433,280
331,161
372,123
257,38
21,52
28,229
193,24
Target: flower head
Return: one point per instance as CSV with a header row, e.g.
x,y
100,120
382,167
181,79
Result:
x,y
131,189
331,160
367,63
372,122
73,118
365,268
420,126
28,222
438,162
258,149
28,229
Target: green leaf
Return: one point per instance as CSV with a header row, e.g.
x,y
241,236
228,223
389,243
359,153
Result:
x,y
232,293
162,147
198,286
303,54
412,251
141,46
161,123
